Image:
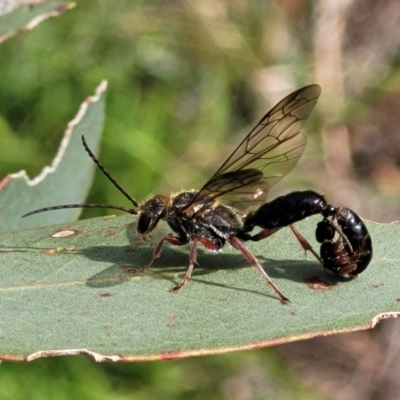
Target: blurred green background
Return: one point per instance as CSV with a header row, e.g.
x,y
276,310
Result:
x,y
187,79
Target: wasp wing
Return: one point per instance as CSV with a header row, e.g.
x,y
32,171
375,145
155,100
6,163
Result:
x,y
265,156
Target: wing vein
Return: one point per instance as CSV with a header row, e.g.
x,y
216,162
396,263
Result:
x,y
271,149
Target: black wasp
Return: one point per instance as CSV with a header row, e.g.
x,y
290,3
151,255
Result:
x,y
263,158
347,256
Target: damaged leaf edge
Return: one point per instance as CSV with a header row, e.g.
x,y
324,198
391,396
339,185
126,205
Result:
x,y
37,20
177,354
64,143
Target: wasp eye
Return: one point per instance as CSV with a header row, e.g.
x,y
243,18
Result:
x,y
145,222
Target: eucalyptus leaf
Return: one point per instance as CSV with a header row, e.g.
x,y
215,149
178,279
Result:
x,y
70,289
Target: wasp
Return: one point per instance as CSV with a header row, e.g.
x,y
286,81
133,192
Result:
x,y
213,215
347,256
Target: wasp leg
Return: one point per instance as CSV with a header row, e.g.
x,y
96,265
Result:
x,y
157,250
192,261
208,244
235,242
305,244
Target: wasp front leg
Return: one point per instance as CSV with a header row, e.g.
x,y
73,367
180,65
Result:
x,y
176,241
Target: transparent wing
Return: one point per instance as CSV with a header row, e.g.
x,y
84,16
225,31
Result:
x,y
265,156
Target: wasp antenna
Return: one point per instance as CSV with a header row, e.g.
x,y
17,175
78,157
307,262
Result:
x,y
107,174
128,210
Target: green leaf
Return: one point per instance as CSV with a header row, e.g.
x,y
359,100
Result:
x,y
66,180
28,16
67,289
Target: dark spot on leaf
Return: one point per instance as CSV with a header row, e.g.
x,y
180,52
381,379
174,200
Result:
x,y
85,314
318,283
172,326
112,231
398,299
377,286
106,294
293,313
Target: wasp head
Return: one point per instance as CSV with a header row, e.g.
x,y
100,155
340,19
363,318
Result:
x,y
151,212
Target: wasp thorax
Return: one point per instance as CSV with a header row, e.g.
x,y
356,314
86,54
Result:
x,y
151,212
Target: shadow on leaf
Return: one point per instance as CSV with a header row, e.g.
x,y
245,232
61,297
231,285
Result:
x,y
173,263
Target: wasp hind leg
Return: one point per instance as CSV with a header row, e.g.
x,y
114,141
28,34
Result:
x,y
304,243
237,243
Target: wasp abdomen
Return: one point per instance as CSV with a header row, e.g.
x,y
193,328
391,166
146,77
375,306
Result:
x,y
285,210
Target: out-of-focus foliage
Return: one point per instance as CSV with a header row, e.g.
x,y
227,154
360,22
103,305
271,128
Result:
x,y
186,80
